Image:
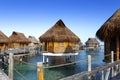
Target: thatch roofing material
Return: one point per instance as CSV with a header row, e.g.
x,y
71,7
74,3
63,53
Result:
x,y
110,28
33,39
18,37
92,40
59,33
3,38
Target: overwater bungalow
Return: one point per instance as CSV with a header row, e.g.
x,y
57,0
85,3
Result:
x,y
34,42
59,40
110,34
18,40
92,44
4,41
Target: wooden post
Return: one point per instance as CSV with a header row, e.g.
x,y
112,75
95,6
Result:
x,y
102,77
40,73
43,59
112,61
11,64
107,74
89,65
47,59
117,47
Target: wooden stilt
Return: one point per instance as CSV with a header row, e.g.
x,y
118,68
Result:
x,y
117,47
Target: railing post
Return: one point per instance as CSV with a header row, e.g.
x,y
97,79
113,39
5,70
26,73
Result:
x,y
11,64
40,73
89,65
102,77
112,61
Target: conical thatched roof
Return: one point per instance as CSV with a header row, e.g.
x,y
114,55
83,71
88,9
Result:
x,y
110,28
92,40
33,39
59,33
18,37
3,38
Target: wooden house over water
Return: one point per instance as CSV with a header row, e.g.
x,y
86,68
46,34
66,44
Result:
x,y
92,44
34,42
4,41
110,34
18,40
59,40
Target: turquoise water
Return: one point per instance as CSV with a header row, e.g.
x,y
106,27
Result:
x,y
30,72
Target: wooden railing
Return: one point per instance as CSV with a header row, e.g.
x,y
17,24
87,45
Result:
x,y
105,72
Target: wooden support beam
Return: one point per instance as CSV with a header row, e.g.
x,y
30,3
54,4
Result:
x,y
117,47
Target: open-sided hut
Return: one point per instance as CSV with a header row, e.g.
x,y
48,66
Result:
x,y
92,42
110,34
34,42
18,40
59,39
4,41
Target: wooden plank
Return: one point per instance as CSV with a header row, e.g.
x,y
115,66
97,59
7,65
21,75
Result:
x,y
3,76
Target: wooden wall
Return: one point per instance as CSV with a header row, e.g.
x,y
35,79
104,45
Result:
x,y
18,45
59,47
92,45
3,46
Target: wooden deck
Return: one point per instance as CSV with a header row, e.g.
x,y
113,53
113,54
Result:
x,y
3,76
117,77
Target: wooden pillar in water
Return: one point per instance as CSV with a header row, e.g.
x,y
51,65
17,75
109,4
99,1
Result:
x,y
117,48
40,72
11,65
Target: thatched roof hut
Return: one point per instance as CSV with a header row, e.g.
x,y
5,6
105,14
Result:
x,y
58,35
4,41
110,34
92,42
110,28
18,40
3,38
34,41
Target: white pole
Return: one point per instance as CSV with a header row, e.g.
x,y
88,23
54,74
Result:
x,y
112,61
89,62
43,59
89,65
11,64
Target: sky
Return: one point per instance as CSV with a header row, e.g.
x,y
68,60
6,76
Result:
x,y
35,17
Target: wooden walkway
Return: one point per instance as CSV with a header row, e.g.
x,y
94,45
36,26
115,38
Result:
x,y
117,77
3,76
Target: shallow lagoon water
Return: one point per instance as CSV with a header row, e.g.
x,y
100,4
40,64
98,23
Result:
x,y
30,72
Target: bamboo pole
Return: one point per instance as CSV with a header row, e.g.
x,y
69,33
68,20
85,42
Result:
x,y
40,73
11,64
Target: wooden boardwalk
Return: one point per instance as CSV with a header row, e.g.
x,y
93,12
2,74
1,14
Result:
x,y
3,76
117,77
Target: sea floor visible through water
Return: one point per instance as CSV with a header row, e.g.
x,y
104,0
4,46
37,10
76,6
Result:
x,y
30,71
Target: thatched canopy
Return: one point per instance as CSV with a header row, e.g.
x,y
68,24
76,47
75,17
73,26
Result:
x,y
33,39
59,33
3,38
92,41
18,37
110,28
